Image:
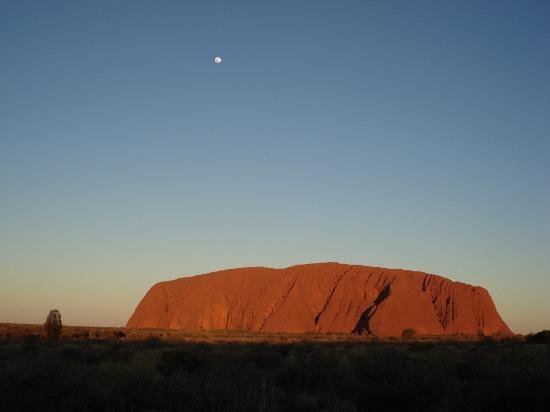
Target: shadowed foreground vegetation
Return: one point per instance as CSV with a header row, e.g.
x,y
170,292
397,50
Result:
x,y
239,376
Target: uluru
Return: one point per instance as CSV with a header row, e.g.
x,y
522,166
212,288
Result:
x,y
320,297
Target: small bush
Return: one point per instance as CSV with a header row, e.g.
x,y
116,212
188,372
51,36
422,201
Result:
x,y
409,334
119,334
53,325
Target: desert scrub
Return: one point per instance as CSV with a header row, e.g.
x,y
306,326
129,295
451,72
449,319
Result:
x,y
135,375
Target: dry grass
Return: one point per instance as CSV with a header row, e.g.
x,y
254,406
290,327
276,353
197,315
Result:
x,y
72,333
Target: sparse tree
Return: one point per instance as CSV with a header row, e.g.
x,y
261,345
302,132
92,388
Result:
x,y
53,325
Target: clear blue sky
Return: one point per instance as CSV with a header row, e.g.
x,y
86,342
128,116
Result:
x,y
388,133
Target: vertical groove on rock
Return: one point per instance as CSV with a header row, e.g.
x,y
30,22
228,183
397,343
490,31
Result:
x,y
278,305
166,308
327,301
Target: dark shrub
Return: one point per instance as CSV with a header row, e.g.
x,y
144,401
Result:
x,y
264,357
119,334
152,342
31,338
53,325
409,334
72,352
540,337
181,359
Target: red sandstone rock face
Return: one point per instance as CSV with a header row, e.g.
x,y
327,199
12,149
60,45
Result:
x,y
324,297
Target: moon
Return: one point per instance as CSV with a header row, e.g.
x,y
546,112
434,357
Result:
x,y
218,59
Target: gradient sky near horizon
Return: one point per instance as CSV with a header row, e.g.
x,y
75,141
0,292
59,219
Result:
x,y
385,133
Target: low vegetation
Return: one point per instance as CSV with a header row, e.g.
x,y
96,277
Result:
x,y
86,373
